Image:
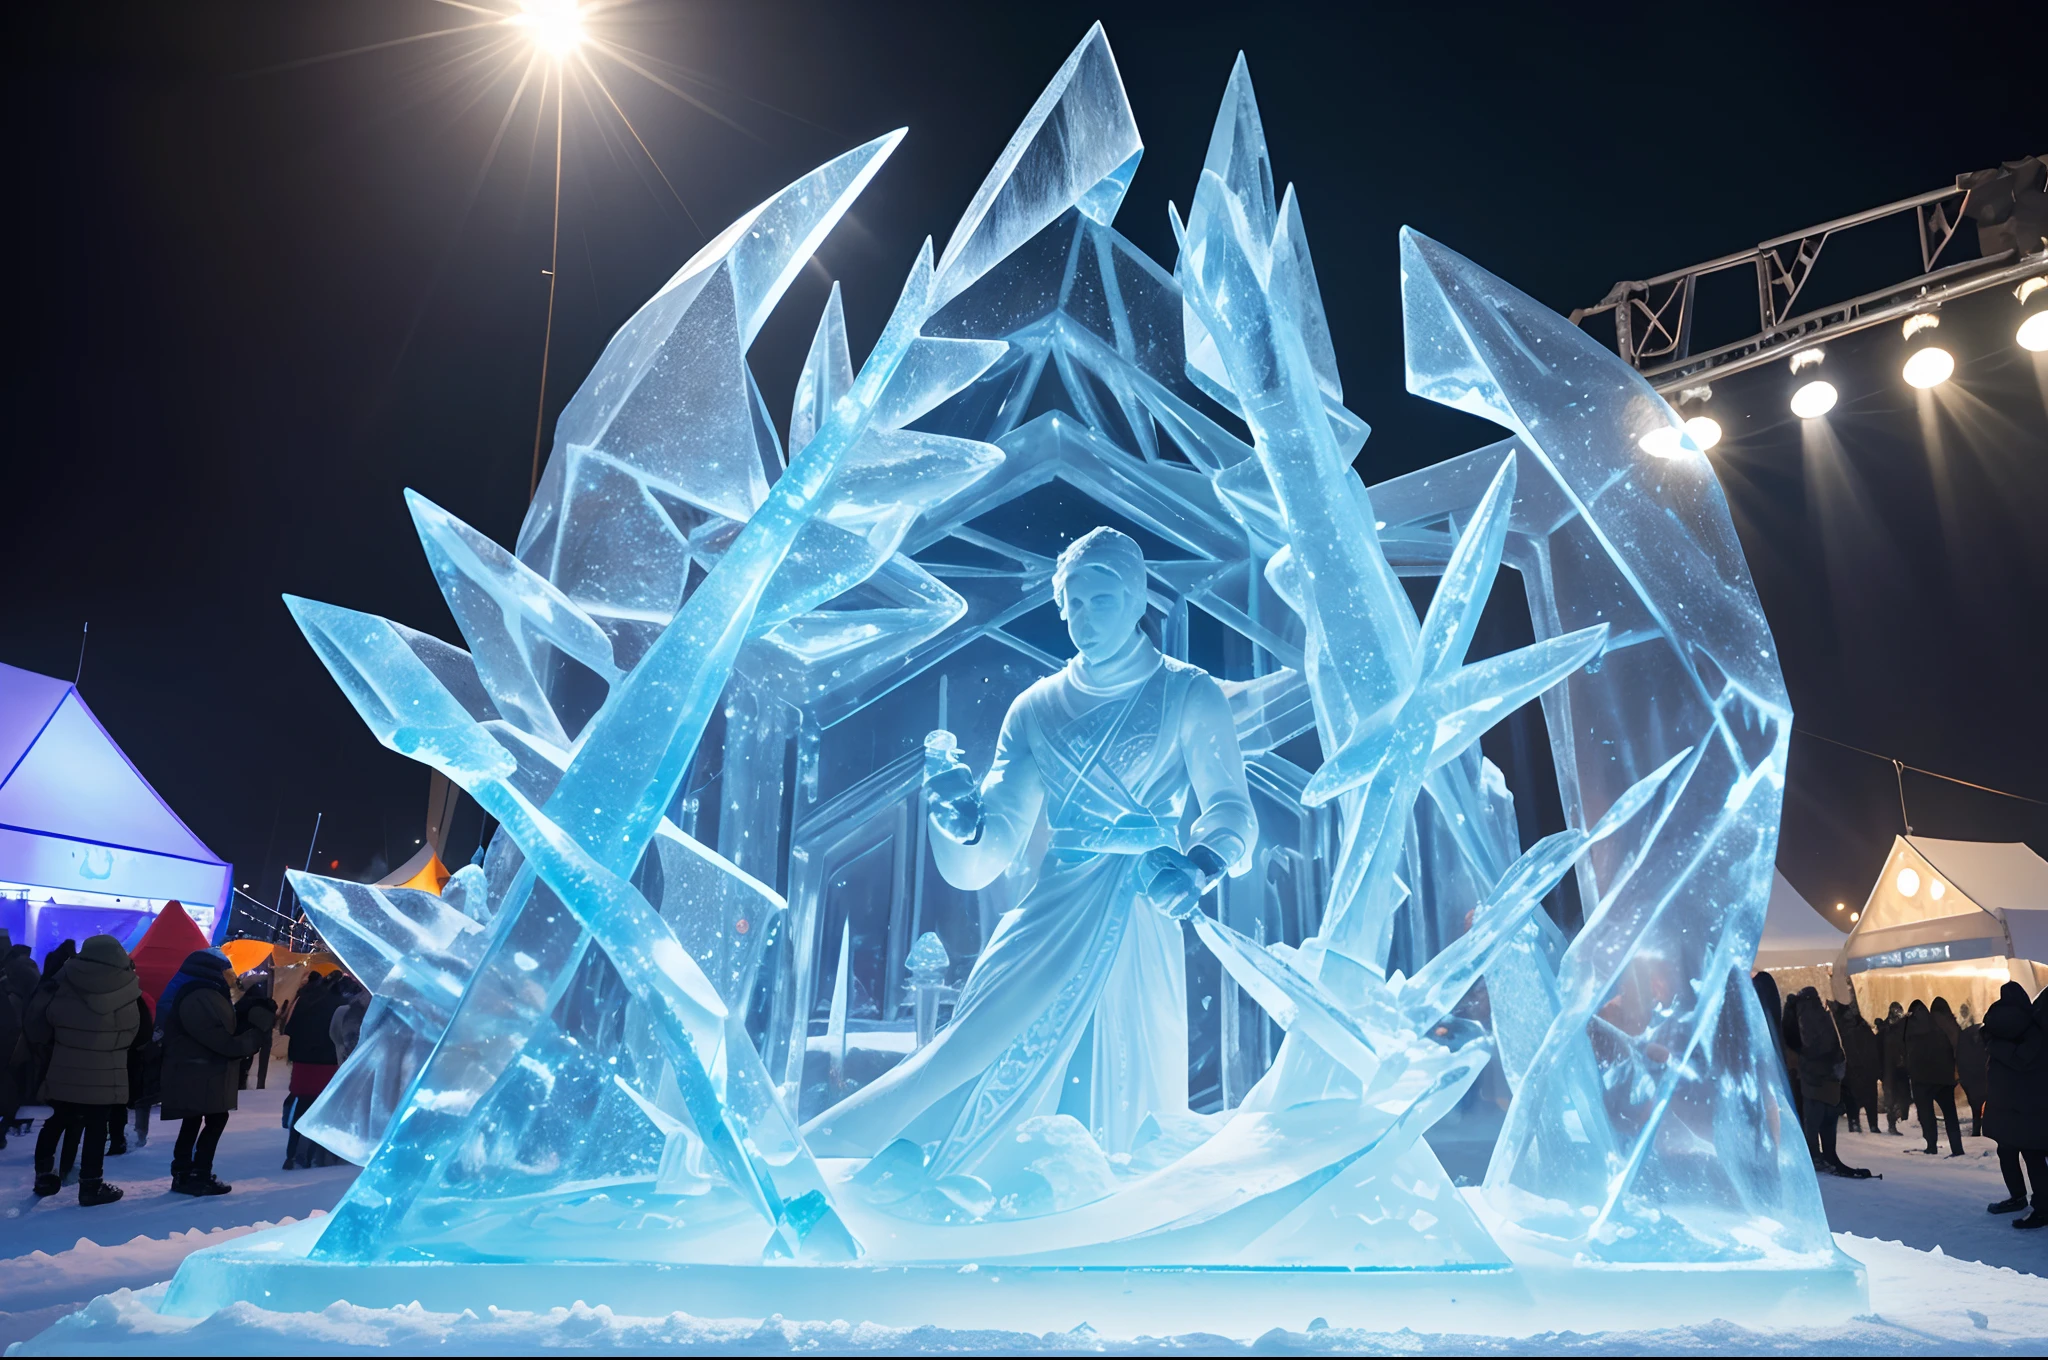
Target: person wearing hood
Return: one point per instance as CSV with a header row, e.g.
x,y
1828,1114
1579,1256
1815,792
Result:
x,y
88,1021
2016,1094
1810,1032
1931,1064
203,1052
1898,1087
1859,1082
1972,1067
313,1059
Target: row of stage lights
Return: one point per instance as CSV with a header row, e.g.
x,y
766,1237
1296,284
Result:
x,y
1925,368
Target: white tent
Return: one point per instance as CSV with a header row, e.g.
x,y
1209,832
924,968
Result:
x,y
1799,944
1948,918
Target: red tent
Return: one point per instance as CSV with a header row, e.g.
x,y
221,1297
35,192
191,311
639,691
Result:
x,y
163,947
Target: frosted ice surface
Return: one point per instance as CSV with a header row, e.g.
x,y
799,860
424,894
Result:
x,y
696,699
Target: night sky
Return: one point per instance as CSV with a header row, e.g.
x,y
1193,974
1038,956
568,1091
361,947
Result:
x,y
256,294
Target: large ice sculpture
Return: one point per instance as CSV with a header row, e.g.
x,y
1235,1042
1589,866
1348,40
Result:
x,y
1217,1006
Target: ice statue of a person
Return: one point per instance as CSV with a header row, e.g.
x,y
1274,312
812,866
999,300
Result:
x,y
1109,748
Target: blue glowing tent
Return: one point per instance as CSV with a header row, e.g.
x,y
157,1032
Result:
x,y
86,845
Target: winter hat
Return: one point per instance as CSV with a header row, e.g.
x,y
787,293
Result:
x,y
207,962
105,949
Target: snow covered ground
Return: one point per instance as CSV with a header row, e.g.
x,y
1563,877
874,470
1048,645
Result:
x,y
56,1256
1945,1278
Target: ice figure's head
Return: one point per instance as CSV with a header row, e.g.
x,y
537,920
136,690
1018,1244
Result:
x,y
1099,582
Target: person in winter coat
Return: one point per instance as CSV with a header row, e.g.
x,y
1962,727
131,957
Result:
x,y
88,1020
1859,1081
2016,1094
1972,1067
255,992
1898,1087
13,1049
1810,1031
346,1028
18,979
145,1067
203,1050
313,1061
1931,1064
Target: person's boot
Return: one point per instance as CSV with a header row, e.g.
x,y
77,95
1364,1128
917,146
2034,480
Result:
x,y
2037,1219
2007,1206
117,1145
204,1182
181,1177
47,1184
91,1193
1854,1127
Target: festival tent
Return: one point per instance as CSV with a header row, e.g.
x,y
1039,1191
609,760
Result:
x,y
1948,918
1799,945
170,940
424,871
86,845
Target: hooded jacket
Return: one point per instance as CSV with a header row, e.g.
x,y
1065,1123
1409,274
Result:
x,y
88,1019
203,1046
1891,1034
1930,1055
2016,1050
1821,1060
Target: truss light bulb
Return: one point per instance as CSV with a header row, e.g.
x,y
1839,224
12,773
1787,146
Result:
x,y
556,25
2033,333
1930,367
1855,915
1814,400
1705,431
1662,442
1908,882
1841,906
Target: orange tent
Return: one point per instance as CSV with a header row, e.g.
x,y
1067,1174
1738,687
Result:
x,y
246,954
163,947
423,871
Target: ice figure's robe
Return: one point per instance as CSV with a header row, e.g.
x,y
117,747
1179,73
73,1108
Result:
x,y
1112,766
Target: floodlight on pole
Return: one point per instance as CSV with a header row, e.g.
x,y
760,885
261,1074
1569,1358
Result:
x,y
556,26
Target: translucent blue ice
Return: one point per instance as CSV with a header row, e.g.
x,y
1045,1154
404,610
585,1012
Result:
x,y
696,698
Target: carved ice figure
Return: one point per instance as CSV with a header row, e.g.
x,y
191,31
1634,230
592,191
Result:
x,y
606,1030
1109,749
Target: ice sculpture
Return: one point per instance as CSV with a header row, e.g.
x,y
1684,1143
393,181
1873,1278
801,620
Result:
x,y
1221,985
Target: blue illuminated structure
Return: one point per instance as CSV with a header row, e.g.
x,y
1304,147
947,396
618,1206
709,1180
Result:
x,y
87,847
695,700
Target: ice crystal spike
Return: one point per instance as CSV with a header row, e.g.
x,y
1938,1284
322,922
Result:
x,y
1078,146
828,373
697,702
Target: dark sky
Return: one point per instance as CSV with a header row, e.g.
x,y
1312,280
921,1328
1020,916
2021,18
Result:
x,y
256,294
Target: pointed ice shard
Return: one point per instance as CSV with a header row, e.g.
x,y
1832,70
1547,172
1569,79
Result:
x,y
512,617
828,373
1079,146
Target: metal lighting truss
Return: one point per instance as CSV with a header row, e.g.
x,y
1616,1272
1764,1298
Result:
x,y
1653,318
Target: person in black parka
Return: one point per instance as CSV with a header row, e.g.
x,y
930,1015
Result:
x,y
1898,1087
1931,1064
2016,1097
1774,1016
145,1073
1810,1032
1972,1067
86,1021
203,1052
1865,1057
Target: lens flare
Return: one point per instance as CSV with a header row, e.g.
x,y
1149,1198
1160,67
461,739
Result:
x,y
1705,431
1930,367
1814,400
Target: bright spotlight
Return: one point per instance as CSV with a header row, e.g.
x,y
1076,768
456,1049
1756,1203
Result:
x,y
1908,882
1841,906
1936,889
555,25
1814,400
1705,431
2033,333
1930,367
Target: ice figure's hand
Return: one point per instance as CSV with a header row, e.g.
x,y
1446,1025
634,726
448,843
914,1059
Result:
x,y
1174,883
951,794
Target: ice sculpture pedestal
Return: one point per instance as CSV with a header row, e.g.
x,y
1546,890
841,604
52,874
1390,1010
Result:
x,y
272,1270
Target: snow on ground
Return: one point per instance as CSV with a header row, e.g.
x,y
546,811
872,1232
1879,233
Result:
x,y
56,1256
1929,1202
1921,1231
